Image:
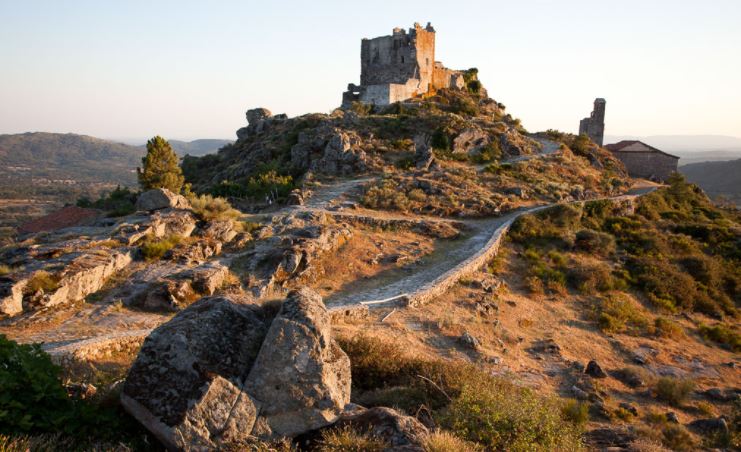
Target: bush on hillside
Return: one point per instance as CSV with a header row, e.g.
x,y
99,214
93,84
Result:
x,y
465,400
210,208
270,185
34,402
119,202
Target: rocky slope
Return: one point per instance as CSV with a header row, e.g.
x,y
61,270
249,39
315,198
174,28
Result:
x,y
210,324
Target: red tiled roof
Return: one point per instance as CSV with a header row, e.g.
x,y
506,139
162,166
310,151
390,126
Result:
x,y
62,218
620,145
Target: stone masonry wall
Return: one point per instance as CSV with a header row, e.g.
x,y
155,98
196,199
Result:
x,y
648,165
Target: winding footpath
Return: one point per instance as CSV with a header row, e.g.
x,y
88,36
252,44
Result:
x,y
412,285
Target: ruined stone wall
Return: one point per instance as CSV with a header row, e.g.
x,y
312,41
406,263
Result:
x,y
648,164
594,125
398,57
443,77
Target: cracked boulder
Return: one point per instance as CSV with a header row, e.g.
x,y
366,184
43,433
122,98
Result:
x,y
186,383
161,198
222,372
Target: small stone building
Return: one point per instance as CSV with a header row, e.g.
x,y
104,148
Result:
x,y
594,125
400,66
642,160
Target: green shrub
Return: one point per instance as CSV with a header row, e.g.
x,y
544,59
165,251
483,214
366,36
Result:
x,y
405,163
34,402
490,152
590,278
228,189
209,208
465,399
501,416
677,438
667,328
385,195
155,248
575,411
594,242
270,185
474,86
361,108
119,202
617,313
673,390
723,335
440,140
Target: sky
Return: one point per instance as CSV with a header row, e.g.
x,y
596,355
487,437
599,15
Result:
x,y
190,69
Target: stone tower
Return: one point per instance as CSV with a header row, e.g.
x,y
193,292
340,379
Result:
x,y
594,125
400,66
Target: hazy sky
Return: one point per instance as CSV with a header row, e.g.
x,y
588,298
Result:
x,y
189,69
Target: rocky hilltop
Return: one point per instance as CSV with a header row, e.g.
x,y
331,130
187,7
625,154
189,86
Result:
x,y
426,275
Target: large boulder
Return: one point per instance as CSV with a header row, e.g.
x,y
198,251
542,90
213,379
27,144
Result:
x,y
161,198
470,141
329,151
217,374
301,376
83,273
255,115
186,383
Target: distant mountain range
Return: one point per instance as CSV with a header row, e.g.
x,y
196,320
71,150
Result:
x,y
60,167
198,148
691,148
716,178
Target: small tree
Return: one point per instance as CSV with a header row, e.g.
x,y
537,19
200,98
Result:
x,y
160,167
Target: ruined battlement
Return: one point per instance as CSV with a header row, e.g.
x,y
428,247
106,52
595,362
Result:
x,y
400,66
594,125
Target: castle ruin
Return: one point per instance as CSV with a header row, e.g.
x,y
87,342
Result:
x,y
594,125
400,66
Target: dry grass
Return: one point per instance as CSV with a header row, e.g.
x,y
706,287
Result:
x,y
210,208
349,440
367,254
442,441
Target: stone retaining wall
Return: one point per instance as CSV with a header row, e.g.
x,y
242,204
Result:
x,y
99,347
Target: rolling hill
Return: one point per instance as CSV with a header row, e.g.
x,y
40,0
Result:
x,y
716,178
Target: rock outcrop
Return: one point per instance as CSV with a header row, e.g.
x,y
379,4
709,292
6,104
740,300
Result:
x,y
11,295
329,151
161,198
423,155
167,286
221,372
470,142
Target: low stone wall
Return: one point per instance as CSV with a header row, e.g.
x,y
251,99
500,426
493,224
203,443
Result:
x,y
100,347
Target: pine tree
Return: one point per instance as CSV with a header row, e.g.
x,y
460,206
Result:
x,y
160,167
